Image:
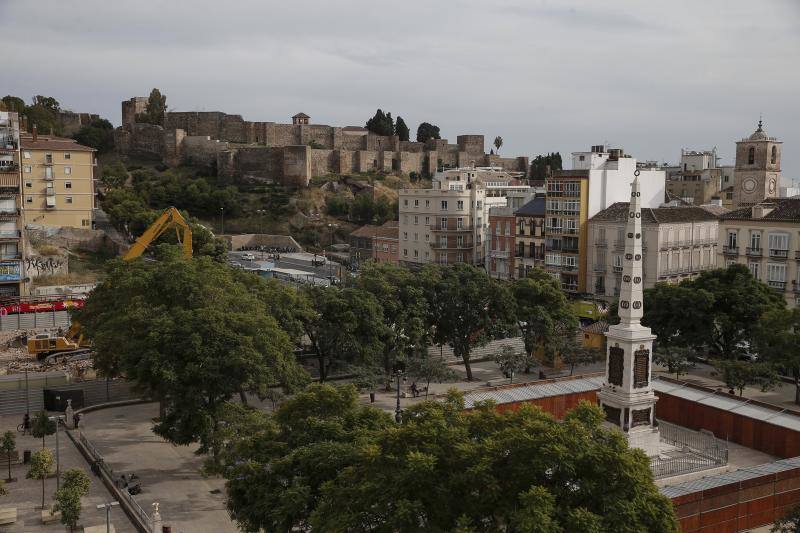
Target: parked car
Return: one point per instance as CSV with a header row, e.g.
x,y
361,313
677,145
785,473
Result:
x,y
248,257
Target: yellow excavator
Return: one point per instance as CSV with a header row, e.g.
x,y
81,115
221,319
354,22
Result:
x,y
171,218
74,343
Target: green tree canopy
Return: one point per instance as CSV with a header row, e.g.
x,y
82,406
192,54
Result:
x,y
68,503
381,124
187,334
42,426
345,327
42,462
740,374
75,484
729,303
404,306
76,479
498,142
427,131
99,134
8,445
541,162
401,129
156,109
467,308
777,339
328,463
14,103
543,314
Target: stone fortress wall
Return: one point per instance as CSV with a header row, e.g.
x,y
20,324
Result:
x,y
290,154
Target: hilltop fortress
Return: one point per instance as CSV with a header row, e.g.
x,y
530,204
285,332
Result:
x,y
290,153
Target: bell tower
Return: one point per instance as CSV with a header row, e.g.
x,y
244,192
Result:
x,y
757,174
627,395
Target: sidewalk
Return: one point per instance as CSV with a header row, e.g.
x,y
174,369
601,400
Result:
x,y
26,494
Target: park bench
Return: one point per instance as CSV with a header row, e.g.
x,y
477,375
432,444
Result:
x,y
48,516
8,515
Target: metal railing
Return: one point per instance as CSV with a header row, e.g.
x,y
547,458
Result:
x,y
730,250
778,253
694,451
129,500
780,285
753,252
599,268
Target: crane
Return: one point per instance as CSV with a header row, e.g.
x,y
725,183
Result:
x,y
73,344
170,218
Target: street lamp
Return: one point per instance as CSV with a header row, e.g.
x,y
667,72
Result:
x,y
261,227
107,506
331,227
58,419
222,220
398,413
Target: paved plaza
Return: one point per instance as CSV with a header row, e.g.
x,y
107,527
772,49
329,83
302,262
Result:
x,y
26,494
169,474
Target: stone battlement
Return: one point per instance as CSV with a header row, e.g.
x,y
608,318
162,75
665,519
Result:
x,y
290,153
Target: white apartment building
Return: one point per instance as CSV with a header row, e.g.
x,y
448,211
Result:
x,y
766,238
677,243
610,174
448,223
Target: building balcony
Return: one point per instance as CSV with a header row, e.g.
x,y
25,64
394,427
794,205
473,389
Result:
x,y
552,229
779,285
776,253
795,287
48,162
753,252
568,194
498,254
797,255
448,246
730,250
619,245
9,169
10,234
6,212
601,243
440,229
599,268
616,269
569,287
8,146
569,268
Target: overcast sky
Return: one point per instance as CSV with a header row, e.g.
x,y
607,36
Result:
x,y
555,75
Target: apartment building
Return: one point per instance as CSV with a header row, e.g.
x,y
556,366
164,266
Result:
x,y
766,238
598,178
501,242
449,222
376,243
58,181
12,248
677,243
530,245
698,179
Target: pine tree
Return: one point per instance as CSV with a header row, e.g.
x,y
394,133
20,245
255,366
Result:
x,y
401,130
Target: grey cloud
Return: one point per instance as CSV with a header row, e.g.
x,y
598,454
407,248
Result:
x,y
546,75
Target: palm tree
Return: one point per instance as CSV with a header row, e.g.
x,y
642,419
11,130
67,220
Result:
x,y
498,142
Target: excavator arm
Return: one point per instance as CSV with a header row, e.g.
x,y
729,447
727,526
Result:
x,y
170,218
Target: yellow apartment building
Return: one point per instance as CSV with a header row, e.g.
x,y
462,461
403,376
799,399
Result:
x,y
58,182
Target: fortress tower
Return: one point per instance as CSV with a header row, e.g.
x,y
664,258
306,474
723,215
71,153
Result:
x,y
627,395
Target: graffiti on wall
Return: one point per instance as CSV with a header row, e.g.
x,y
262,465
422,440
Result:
x,y
44,266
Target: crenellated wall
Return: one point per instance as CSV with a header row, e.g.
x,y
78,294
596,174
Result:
x,y
290,153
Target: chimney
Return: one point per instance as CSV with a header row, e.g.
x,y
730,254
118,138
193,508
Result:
x,y
34,133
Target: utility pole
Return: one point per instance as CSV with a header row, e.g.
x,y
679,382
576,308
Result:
x,y
58,420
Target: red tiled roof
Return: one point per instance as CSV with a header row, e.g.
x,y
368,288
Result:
x,y
53,143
